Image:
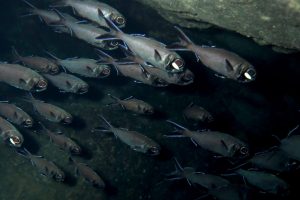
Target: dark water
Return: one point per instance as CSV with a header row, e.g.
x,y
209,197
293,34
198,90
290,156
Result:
x,y
252,112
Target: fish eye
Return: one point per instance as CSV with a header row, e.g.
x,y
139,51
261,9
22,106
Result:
x,y
177,64
105,71
28,122
68,119
120,20
154,150
76,150
250,74
114,43
83,89
244,150
42,83
15,140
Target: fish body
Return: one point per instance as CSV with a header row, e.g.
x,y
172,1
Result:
x,y
225,63
15,115
88,174
22,77
10,134
68,83
291,146
230,192
134,105
264,181
197,113
45,167
89,9
37,63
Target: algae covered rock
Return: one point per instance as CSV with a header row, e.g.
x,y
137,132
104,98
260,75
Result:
x,y
268,22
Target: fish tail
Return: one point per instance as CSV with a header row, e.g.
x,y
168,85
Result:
x,y
15,53
114,30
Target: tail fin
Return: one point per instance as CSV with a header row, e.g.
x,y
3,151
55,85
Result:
x,y
184,41
15,53
177,125
107,59
114,30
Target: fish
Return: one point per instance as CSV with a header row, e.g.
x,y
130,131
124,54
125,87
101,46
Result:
x,y
50,112
197,113
48,16
88,9
214,141
134,71
68,83
37,63
88,174
63,142
134,105
22,77
136,141
150,50
265,181
226,64
45,167
15,114
10,134
83,66
84,32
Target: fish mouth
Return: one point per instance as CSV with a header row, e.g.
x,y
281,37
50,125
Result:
x,y
68,120
41,85
15,141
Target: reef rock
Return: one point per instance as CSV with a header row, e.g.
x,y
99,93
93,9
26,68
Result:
x,y
268,22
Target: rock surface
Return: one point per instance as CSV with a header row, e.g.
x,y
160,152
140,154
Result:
x,y
268,22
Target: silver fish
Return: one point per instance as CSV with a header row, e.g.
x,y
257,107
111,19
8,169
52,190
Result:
x,y
10,134
225,63
68,83
137,141
214,141
150,50
22,77
15,114
197,113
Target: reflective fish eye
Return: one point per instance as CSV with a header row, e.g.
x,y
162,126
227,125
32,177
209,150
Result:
x,y
28,122
68,120
84,89
177,64
42,83
114,43
105,71
154,150
15,140
244,150
120,20
250,74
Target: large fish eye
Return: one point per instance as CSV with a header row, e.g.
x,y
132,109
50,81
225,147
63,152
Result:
x,y
59,177
120,20
177,64
54,69
28,122
250,74
244,150
15,140
105,71
76,150
68,120
84,89
114,43
154,150
42,83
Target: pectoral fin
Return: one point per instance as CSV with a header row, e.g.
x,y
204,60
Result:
x,y
22,81
68,84
157,56
229,66
89,68
224,145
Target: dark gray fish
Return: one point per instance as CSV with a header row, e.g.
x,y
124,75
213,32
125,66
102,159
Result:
x,y
89,9
10,134
22,77
214,141
50,112
84,66
134,105
85,32
88,174
45,167
150,50
68,83
37,63
15,114
197,113
137,141
63,142
225,63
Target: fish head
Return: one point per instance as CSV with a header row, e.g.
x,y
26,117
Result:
x,y
246,73
103,71
59,175
174,63
67,119
40,84
16,140
75,149
27,123
118,19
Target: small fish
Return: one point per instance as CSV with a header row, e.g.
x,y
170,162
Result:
x,y
88,174
214,141
15,114
134,105
84,32
37,63
89,9
68,83
10,134
50,112
266,182
62,141
45,167
137,141
150,50
225,63
197,113
84,66
22,77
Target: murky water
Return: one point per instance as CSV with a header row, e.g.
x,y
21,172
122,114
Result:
x,y
252,112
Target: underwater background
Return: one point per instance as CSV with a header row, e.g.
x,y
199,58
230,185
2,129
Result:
x,y
252,112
